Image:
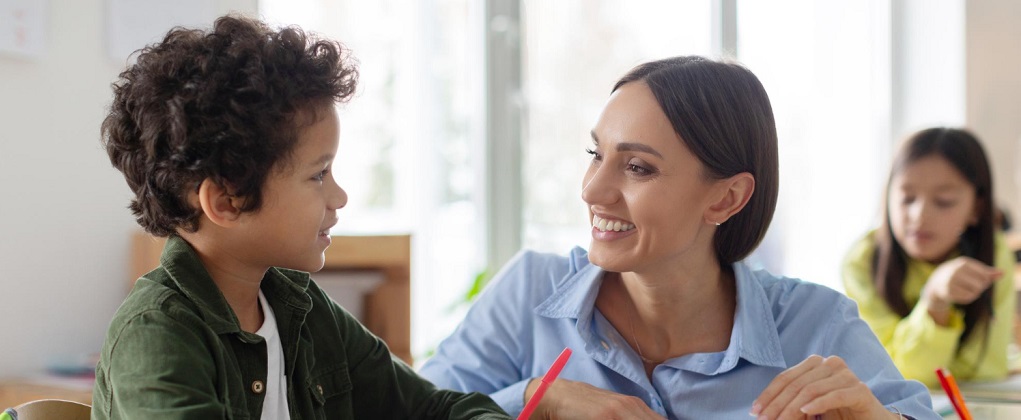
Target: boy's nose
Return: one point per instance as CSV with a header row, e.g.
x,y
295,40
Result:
x,y
338,199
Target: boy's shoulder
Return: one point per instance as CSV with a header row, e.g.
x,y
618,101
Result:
x,y
154,292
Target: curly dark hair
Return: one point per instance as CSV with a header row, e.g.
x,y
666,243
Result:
x,y
221,105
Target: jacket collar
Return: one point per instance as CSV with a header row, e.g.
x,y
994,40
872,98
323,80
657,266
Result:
x,y
182,263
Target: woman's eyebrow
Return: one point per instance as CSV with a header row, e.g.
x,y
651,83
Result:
x,y
638,147
630,146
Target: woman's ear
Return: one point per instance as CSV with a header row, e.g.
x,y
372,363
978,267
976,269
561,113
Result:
x,y
217,203
732,194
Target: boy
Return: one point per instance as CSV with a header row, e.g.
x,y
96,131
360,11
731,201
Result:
x,y
226,139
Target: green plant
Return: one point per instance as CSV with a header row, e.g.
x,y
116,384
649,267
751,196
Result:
x,y
478,284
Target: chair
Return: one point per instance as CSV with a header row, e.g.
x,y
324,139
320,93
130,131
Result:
x,y
50,410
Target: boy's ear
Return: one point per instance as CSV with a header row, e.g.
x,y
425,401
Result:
x,y
217,203
733,194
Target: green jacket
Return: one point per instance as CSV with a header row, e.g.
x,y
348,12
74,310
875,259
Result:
x,y
175,350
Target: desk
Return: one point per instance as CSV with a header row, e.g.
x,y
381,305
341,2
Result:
x,y
15,392
1008,390
981,410
1000,400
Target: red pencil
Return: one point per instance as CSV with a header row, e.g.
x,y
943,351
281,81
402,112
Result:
x,y
946,380
547,379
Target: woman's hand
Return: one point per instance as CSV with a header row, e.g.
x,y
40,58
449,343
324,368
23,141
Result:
x,y
566,399
958,281
818,386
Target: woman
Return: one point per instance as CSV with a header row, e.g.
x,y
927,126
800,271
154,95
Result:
x,y
663,318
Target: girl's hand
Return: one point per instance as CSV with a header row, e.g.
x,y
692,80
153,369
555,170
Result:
x,y
818,386
961,281
566,399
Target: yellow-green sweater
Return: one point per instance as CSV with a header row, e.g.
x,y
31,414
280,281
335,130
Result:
x,y
916,343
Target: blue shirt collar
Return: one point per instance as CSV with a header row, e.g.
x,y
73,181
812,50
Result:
x,y
754,337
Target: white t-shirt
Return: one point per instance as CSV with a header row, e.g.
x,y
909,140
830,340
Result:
x,y
274,407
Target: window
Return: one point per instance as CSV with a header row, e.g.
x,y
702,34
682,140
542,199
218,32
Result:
x,y
413,142
826,69
408,137
847,80
574,51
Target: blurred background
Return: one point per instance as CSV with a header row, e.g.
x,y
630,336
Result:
x,y
469,128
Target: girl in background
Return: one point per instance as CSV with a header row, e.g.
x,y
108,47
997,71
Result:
x,y
935,281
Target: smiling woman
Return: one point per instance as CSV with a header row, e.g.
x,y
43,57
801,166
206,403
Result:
x,y
663,316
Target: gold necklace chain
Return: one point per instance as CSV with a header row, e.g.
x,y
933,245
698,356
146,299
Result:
x,y
634,337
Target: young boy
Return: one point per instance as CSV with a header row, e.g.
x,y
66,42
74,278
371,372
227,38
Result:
x,y
226,139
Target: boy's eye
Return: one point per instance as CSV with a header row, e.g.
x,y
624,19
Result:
x,y
321,174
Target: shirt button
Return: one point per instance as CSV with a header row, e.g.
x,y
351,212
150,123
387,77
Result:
x,y
320,389
257,387
605,346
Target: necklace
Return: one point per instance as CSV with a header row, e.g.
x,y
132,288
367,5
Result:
x,y
634,337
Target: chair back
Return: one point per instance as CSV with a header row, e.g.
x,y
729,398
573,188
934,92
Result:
x,y
52,409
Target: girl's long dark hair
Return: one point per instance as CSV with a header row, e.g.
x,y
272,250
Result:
x,y
889,263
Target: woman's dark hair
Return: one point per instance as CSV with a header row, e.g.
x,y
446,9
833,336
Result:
x,y
723,115
889,263
227,105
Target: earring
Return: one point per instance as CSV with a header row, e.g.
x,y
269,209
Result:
x,y
717,223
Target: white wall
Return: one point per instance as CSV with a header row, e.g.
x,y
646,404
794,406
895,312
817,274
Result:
x,y
994,92
64,225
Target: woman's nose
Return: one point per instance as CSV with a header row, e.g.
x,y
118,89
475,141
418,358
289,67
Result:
x,y
599,187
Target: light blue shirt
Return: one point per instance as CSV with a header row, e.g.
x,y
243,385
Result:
x,y
541,303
